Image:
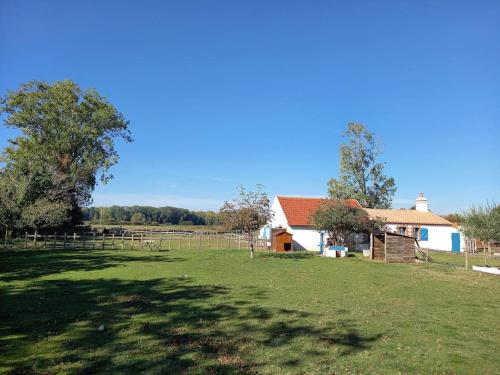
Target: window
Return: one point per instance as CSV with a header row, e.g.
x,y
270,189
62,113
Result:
x,y
402,231
424,234
415,233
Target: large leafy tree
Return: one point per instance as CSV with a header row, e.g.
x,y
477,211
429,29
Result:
x,y
22,207
67,141
340,220
362,176
247,213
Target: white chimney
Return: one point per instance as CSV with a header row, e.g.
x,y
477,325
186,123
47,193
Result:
x,y
421,203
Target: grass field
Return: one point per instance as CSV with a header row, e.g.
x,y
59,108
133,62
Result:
x,y
217,311
475,259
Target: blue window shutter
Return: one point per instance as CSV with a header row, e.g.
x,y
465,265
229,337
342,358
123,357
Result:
x,y
424,234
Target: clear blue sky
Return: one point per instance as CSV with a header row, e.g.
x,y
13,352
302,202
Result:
x,y
223,93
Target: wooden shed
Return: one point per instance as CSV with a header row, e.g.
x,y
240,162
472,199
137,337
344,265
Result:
x,y
392,247
281,241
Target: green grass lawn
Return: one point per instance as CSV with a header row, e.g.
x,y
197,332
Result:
x,y
217,311
476,259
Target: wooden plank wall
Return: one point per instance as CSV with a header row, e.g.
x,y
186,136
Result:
x,y
378,247
400,249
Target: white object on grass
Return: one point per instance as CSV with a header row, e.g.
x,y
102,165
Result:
x,y
492,270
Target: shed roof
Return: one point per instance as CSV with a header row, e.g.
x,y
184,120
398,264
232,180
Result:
x,y
407,217
298,210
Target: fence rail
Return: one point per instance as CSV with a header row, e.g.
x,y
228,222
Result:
x,y
173,240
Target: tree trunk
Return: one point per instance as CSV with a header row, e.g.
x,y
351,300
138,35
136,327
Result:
x,y
484,253
250,238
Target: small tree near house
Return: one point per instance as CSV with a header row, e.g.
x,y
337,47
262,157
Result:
x,y
482,223
341,220
247,213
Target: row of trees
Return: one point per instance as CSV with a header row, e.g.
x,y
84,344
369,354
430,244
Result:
x,y
147,214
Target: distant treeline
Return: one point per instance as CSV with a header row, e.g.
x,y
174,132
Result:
x,y
152,215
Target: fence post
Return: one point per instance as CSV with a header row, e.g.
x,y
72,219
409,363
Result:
x,y
132,242
65,240
35,238
54,243
161,240
93,240
74,240
199,244
45,241
217,240
142,244
208,240
179,241
26,240
113,241
466,259
103,238
239,242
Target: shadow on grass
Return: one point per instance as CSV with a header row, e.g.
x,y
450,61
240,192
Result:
x,y
154,326
291,255
29,264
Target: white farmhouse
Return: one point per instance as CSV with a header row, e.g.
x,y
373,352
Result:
x,y
293,214
431,230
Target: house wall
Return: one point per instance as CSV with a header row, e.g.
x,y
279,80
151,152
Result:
x,y
439,236
279,219
305,238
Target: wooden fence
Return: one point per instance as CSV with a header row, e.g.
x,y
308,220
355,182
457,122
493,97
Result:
x,y
136,240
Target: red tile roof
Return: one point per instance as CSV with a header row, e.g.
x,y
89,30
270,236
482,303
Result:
x,y
298,210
